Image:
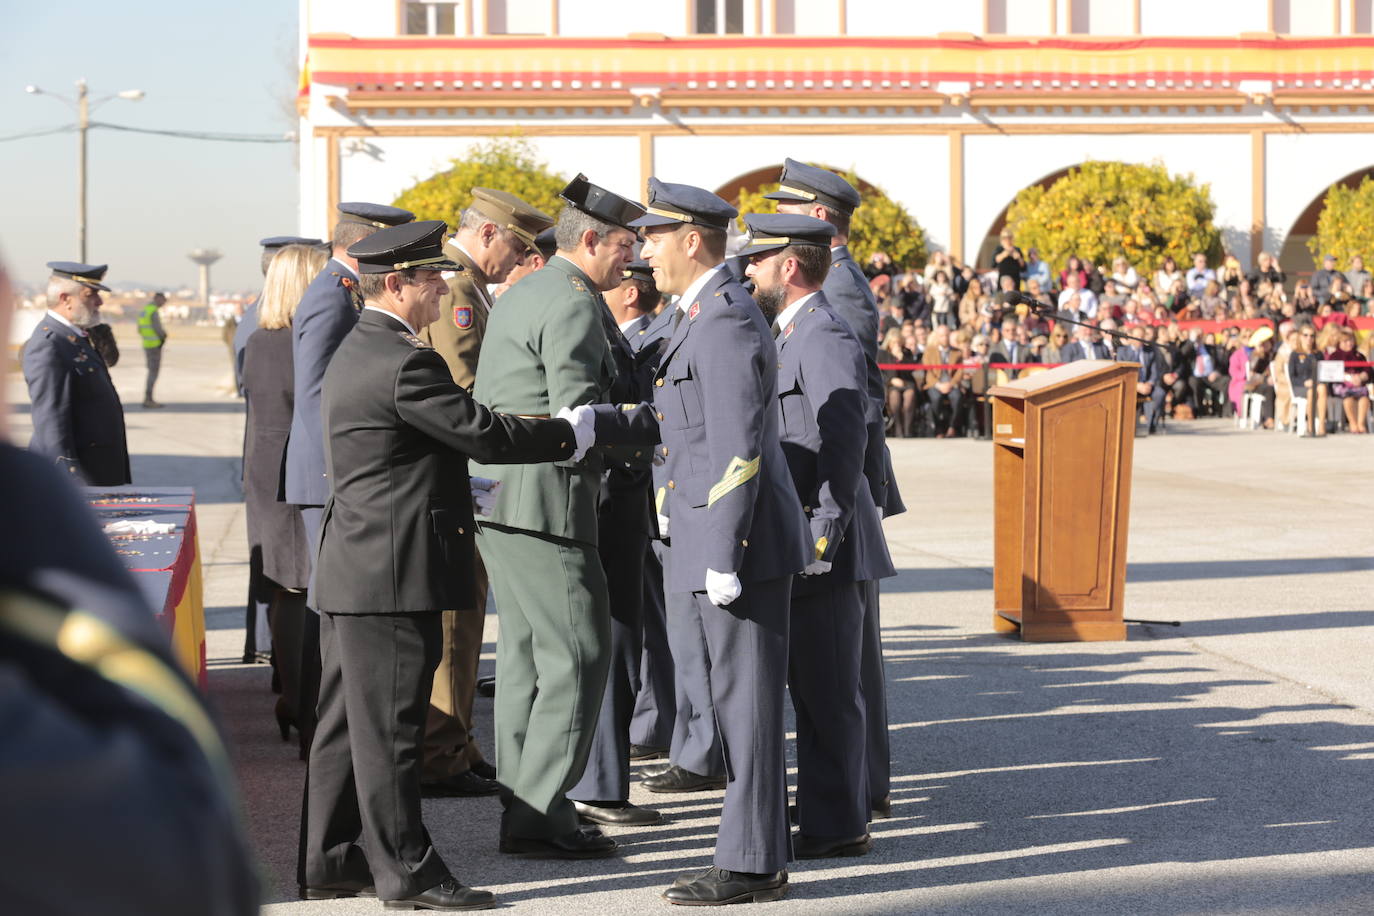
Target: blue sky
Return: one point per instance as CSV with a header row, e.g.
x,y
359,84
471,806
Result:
x,y
215,67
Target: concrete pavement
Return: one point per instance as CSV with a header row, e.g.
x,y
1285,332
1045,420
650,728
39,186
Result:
x,y
1219,767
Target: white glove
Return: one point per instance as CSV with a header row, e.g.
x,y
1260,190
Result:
x,y
662,525
583,422
816,568
722,588
484,492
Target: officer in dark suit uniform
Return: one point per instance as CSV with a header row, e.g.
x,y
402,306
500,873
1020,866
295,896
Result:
x,y
624,524
110,763
811,191
395,549
728,488
101,334
823,408
78,420
328,311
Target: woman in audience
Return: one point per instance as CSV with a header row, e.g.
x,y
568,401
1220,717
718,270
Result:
x,y
1167,273
1259,356
1058,342
1124,274
1303,300
978,353
941,295
1353,390
1074,266
275,528
1231,273
900,386
1302,378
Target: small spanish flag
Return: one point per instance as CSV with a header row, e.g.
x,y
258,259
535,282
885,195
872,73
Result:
x,y
304,88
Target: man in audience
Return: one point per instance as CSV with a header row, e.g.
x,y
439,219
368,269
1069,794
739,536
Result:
x,y
1199,275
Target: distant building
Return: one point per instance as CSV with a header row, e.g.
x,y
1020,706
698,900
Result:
x,y
951,106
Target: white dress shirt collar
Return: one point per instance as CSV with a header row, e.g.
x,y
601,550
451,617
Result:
x,y
389,314
690,294
57,317
789,314
350,271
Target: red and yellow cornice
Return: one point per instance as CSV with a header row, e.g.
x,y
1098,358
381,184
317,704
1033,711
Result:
x,y
524,71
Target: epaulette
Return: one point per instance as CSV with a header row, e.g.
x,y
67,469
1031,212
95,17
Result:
x,y
577,284
414,341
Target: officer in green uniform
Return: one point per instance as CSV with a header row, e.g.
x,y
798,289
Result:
x,y
153,336
496,233
545,349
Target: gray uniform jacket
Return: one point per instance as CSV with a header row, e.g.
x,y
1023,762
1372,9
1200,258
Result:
x,y
248,323
727,488
850,297
328,311
397,534
821,404
78,420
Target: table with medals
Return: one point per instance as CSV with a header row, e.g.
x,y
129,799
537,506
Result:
x,y
164,561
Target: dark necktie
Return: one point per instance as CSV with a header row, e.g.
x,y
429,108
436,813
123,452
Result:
x,y
777,329
677,319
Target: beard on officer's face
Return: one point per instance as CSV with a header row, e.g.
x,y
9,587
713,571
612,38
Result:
x,y
84,313
770,300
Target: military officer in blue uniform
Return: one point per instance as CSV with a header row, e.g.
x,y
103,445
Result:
x,y
823,409
248,321
811,191
625,524
651,724
328,311
545,349
737,528
78,420
395,552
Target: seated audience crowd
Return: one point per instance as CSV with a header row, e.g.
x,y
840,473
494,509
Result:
x,y
953,332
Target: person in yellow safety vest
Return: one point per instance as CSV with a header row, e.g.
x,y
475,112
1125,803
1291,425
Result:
x,y
153,336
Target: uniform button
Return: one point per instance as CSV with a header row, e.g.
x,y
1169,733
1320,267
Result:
x,y
659,415
637,454
744,543
658,382
461,531
671,485
562,445
665,449
806,508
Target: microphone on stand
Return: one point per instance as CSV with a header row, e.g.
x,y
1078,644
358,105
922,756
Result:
x,y
1015,297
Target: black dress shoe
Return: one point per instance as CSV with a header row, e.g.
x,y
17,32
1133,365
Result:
x,y
717,886
830,847
486,686
882,807
448,895
484,769
465,785
647,752
676,779
618,813
339,890
655,769
582,843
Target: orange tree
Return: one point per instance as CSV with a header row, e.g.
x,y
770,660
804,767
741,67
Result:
x,y
507,164
1346,225
1100,210
880,224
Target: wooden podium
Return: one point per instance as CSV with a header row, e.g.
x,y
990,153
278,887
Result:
x,y
1062,442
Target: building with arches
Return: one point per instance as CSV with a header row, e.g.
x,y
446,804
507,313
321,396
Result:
x,y
950,107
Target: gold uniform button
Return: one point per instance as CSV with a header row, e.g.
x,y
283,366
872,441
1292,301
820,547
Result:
x,y
665,449
562,445
744,543
671,485
461,531
659,415
806,508
658,382
638,453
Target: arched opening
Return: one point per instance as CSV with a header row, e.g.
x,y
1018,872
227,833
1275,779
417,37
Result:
x,y
1295,259
988,246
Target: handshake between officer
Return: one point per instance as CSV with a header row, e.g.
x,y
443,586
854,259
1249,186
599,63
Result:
x,y
395,551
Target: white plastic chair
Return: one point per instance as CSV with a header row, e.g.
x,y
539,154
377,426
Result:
x,y
1251,409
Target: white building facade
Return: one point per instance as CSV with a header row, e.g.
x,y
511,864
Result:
x,y
950,106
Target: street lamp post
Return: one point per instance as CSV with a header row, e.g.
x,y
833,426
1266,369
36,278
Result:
x,y
83,105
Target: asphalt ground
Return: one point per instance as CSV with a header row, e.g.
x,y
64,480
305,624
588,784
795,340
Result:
x,y
1221,766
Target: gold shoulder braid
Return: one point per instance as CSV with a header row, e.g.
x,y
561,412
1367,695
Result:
x,y
95,645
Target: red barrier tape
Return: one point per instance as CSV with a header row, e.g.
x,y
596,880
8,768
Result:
x,y
887,367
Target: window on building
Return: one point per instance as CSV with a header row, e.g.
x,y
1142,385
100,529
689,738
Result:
x,y
431,17
1012,17
719,17
1364,17
518,17
1304,17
